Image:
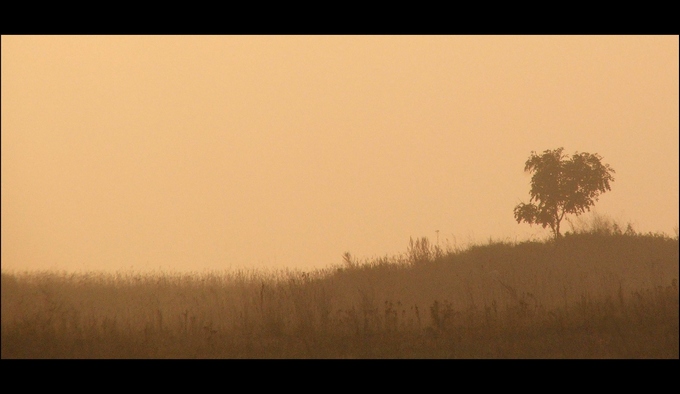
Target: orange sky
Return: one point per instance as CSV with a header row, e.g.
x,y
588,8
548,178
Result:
x,y
210,152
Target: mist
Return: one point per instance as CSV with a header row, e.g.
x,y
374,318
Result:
x,y
190,153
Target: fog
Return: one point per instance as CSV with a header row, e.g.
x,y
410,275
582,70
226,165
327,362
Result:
x,y
215,152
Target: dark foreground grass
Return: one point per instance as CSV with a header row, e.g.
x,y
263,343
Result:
x,y
587,296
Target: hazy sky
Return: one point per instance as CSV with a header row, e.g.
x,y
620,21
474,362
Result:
x,y
187,153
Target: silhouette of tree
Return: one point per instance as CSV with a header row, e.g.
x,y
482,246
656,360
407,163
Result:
x,y
560,185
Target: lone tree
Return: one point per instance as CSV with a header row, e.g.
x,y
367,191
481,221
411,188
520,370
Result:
x,y
560,185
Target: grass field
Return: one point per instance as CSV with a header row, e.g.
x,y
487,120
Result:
x,y
593,294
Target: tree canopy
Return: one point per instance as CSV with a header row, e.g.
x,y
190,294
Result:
x,y
562,184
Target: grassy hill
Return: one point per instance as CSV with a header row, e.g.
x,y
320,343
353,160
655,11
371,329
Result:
x,y
595,294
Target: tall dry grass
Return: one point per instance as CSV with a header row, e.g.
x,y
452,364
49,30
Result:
x,y
593,294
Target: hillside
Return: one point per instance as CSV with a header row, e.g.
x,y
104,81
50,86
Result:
x,y
589,295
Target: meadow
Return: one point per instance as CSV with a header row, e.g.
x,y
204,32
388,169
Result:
x,y
596,293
